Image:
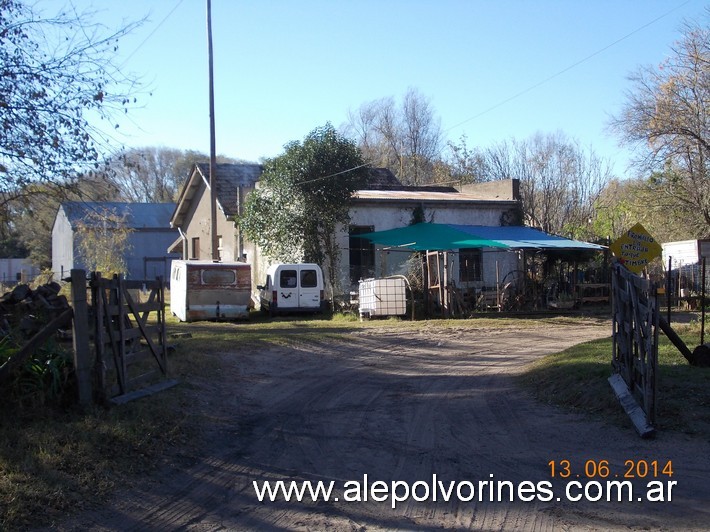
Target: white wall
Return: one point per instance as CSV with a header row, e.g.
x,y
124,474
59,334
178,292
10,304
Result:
x,y
17,270
383,216
62,246
684,252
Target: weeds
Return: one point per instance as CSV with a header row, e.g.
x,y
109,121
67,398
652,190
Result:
x,y
577,379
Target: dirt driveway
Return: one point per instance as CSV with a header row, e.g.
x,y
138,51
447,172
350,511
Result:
x,y
405,406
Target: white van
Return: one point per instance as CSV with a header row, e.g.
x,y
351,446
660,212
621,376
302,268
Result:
x,y
205,290
292,288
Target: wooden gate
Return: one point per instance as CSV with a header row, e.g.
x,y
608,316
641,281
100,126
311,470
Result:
x,y
635,347
131,351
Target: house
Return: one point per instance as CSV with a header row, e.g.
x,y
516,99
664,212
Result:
x,y
685,258
385,204
191,217
149,236
392,206
17,270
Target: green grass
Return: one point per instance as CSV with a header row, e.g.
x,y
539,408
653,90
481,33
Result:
x,y
52,461
577,379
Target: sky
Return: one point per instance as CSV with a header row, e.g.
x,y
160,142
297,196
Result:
x,y
491,70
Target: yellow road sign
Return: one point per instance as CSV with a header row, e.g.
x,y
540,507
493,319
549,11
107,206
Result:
x,y
636,248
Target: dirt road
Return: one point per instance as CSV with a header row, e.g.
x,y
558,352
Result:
x,y
397,406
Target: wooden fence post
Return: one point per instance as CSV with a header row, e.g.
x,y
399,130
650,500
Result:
x,y
82,353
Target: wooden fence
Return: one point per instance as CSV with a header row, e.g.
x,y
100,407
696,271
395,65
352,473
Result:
x,y
119,353
635,347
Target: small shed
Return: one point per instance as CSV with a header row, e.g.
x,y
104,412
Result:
x,y
683,260
150,235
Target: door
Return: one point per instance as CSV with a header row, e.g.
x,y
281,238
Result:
x,y
287,288
310,285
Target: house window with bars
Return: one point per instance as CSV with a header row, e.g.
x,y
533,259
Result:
x,y
470,265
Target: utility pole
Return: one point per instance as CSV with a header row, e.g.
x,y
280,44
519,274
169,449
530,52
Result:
x,y
213,150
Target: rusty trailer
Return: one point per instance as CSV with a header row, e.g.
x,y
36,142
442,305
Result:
x,y
206,290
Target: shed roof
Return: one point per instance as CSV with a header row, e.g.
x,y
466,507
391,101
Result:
x,y
136,215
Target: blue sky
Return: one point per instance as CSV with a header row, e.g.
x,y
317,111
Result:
x,y
283,68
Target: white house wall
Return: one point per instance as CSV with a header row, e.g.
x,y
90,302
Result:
x,y
16,270
197,225
384,215
62,246
681,253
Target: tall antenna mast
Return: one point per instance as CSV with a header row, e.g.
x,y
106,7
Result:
x,y
213,152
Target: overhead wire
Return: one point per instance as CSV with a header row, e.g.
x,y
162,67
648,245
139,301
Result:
x,y
543,81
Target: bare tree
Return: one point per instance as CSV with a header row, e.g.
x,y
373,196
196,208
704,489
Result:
x,y
666,118
104,241
463,164
407,140
559,181
153,174
56,71
150,174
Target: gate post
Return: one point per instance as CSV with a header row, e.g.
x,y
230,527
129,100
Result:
x,y
80,334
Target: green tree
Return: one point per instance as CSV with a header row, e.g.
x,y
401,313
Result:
x,y
303,198
666,116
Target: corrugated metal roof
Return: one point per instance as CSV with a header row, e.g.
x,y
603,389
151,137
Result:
x,y
420,195
136,215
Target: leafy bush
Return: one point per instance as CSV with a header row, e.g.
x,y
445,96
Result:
x,y
45,379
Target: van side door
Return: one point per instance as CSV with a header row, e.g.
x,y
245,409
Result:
x,y
310,288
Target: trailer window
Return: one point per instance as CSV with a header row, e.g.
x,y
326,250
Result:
x,y
309,279
220,277
288,278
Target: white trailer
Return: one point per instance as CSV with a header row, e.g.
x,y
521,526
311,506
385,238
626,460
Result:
x,y
205,290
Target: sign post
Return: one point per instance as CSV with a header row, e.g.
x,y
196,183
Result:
x,y
636,248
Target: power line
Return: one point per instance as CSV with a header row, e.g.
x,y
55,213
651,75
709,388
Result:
x,y
546,80
567,69
151,33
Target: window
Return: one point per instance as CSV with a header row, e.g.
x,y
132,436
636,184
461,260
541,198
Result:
x,y
219,277
309,279
288,278
362,254
195,248
470,265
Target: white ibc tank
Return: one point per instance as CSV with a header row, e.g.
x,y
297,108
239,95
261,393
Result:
x,y
383,297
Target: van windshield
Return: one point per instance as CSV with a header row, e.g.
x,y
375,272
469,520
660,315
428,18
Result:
x,y
309,279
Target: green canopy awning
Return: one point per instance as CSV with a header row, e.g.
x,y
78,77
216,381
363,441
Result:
x,y
432,236
429,236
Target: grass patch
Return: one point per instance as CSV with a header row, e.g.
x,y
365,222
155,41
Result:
x,y
577,379
53,461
